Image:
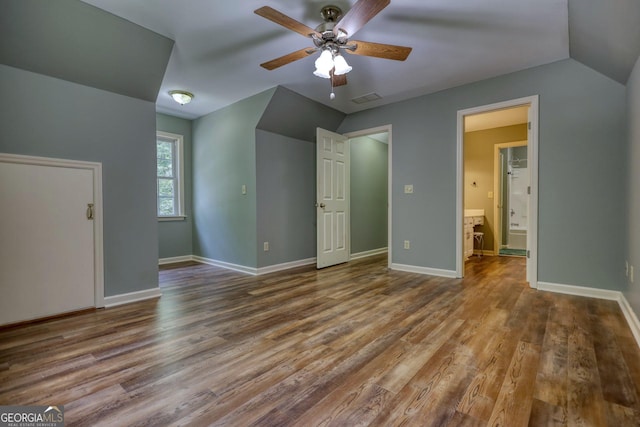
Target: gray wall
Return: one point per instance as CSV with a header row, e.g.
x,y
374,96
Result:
x,y
286,175
45,116
293,115
369,190
176,237
224,158
632,292
286,184
581,196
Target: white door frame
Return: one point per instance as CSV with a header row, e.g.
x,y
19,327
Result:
x,y
96,168
371,131
532,153
497,191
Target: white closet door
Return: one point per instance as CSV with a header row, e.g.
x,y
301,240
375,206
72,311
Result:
x,y
46,241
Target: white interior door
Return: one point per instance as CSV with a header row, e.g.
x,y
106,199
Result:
x,y
332,182
46,241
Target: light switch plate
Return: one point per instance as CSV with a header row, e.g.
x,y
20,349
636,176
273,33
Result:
x,y
408,189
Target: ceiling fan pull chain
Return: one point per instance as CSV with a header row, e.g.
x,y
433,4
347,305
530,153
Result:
x,y
332,95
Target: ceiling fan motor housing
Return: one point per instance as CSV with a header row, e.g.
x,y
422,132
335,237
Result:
x,y
331,16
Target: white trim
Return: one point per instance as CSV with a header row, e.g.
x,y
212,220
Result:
x,y
485,252
120,299
371,131
372,252
173,260
582,291
227,265
424,270
632,319
96,168
532,235
179,143
285,266
172,218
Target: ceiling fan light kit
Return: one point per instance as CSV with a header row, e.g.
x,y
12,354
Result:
x,y
332,36
181,97
341,66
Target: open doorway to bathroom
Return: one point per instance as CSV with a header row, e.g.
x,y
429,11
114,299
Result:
x,y
497,184
511,186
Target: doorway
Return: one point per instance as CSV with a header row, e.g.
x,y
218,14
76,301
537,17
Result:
x,y
511,183
369,230
480,186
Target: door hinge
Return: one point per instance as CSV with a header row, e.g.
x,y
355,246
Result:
x,y
528,253
529,190
89,211
529,125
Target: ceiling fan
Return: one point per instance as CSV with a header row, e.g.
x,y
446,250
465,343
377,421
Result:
x,y
332,36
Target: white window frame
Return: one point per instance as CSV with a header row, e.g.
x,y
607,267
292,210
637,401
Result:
x,y
178,141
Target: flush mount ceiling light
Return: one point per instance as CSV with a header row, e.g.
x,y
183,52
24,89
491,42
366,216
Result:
x,y
181,97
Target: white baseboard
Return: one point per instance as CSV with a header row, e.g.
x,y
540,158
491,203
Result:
x,y
172,260
424,270
115,300
285,266
581,291
372,252
632,319
484,253
229,266
627,311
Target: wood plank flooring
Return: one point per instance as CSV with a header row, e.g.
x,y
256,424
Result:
x,y
354,344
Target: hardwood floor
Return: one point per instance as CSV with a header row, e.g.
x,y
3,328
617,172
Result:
x,y
354,344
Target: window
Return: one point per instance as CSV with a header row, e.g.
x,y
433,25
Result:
x,y
170,188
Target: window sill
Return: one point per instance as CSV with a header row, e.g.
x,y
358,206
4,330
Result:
x,y
172,218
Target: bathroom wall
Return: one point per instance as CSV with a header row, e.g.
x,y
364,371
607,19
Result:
x,y
478,168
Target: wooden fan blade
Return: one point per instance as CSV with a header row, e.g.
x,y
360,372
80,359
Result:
x,y
338,80
358,15
379,50
287,59
280,18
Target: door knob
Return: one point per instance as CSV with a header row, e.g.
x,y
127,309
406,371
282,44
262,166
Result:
x,y
322,205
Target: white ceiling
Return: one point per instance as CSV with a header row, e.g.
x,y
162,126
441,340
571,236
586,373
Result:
x,y
220,44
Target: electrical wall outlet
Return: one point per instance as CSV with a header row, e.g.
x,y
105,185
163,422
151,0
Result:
x,y
407,244
266,246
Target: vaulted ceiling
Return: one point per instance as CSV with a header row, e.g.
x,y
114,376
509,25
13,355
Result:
x,y
220,44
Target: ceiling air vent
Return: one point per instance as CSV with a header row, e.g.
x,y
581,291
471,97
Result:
x,y
366,98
